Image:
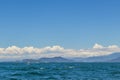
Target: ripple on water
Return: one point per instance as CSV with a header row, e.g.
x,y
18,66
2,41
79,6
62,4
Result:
x,y
60,71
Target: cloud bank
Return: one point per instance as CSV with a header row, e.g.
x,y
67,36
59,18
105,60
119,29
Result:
x,y
15,52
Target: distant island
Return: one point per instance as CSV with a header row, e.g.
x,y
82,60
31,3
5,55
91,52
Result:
x,y
115,57
54,59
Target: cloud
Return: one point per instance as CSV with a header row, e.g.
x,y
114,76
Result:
x,y
15,52
98,46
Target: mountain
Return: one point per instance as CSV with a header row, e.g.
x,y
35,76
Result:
x,y
54,59
114,57
106,58
116,60
29,60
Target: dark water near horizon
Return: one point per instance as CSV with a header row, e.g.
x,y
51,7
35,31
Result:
x,y
60,71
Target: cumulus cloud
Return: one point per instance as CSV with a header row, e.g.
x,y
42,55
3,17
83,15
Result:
x,y
98,46
15,52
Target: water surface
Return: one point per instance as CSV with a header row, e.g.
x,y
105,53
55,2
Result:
x,y
60,71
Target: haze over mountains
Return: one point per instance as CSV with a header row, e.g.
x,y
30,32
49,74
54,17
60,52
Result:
x,y
97,53
115,57
30,52
54,59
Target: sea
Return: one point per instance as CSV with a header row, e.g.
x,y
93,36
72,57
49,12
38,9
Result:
x,y
59,71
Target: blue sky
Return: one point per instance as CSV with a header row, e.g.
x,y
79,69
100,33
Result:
x,y
69,23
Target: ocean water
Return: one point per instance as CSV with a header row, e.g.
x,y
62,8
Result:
x,y
60,71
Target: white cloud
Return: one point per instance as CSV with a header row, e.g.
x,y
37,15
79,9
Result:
x,y
98,46
15,52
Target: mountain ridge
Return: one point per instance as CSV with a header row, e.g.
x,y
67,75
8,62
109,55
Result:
x,y
114,57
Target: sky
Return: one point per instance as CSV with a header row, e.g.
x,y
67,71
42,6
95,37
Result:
x,y
72,24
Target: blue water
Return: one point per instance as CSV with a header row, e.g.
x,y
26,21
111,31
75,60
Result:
x,y
60,71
